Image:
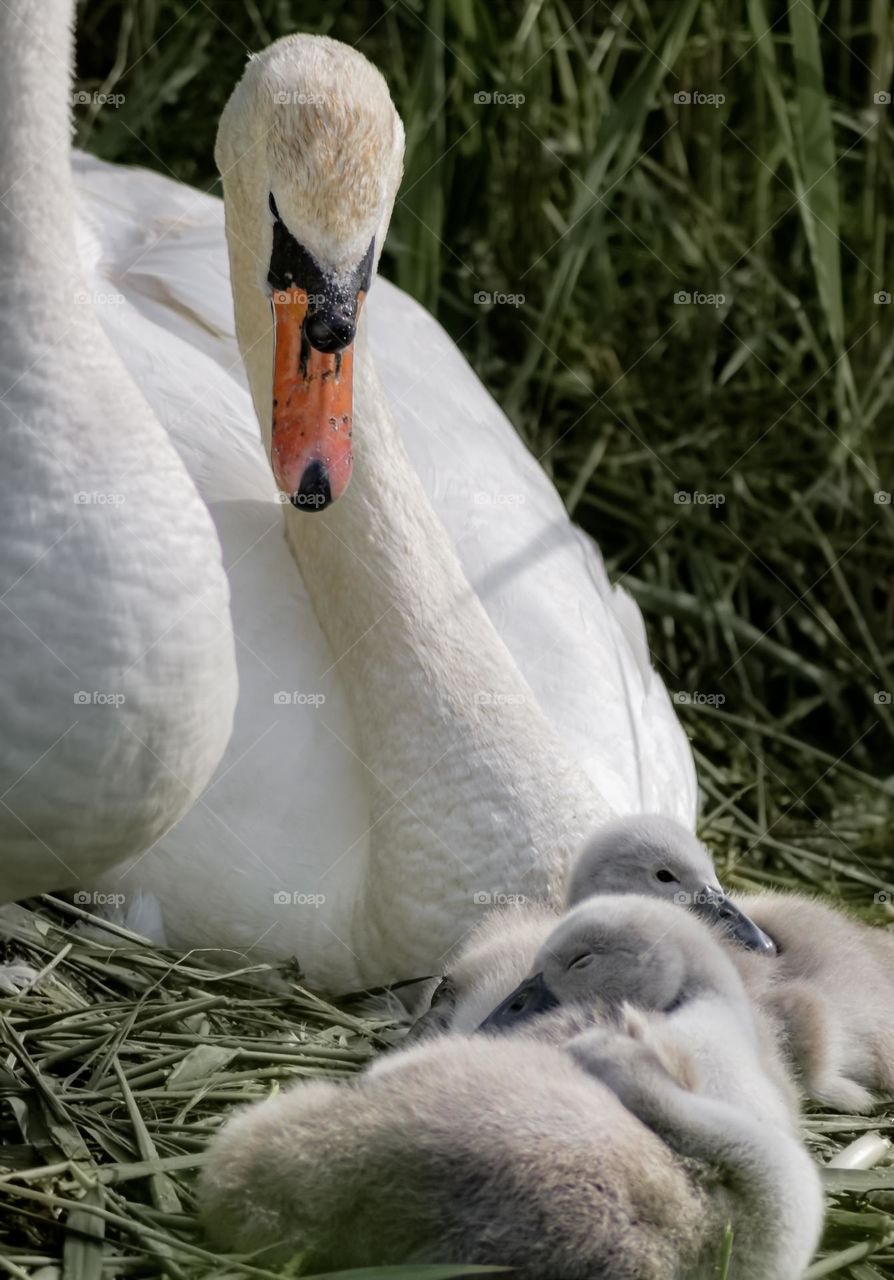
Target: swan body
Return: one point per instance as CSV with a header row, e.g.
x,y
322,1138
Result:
x,y
467,693
119,679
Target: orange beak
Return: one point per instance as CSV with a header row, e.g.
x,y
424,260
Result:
x,y
313,407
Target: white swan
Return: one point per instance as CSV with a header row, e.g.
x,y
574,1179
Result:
x,y
119,680
469,736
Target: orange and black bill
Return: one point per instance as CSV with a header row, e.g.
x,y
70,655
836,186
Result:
x,y
314,325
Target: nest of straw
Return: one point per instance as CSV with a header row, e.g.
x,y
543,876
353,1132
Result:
x,y
121,1059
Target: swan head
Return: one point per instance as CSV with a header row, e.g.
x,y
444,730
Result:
x,y
310,151
657,857
619,950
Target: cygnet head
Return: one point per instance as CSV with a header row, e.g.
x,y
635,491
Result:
x,y
310,150
655,856
616,950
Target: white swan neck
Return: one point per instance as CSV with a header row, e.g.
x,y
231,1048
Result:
x,y
36,235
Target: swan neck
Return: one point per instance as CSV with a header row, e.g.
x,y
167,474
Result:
x,y
36,54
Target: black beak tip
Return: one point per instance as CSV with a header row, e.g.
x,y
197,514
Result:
x,y
740,927
314,493
529,999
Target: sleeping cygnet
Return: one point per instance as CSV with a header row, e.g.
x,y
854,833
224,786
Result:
x,y
625,949
495,958
647,854
830,988
492,1151
773,1188
825,979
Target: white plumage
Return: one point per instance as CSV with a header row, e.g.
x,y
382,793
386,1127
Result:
x,y
119,680
427,753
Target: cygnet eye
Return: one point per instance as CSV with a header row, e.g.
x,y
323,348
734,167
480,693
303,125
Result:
x,y
666,877
581,961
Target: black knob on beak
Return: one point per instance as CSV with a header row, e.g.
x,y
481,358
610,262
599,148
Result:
x,y
329,331
314,493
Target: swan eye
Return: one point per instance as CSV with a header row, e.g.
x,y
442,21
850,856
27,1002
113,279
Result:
x,y
581,961
666,877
